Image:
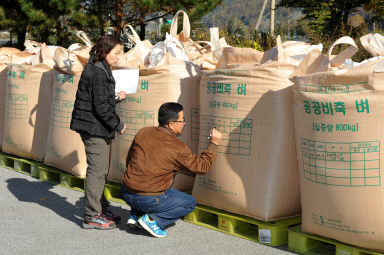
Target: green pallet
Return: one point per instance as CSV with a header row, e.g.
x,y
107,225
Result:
x,y
112,192
19,164
272,233
55,176
59,177
308,244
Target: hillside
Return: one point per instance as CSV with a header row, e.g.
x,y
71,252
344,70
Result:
x,y
248,12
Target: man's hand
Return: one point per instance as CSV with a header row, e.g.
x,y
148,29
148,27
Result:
x,y
121,95
123,130
215,136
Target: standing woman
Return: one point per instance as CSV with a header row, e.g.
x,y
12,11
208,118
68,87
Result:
x,y
94,117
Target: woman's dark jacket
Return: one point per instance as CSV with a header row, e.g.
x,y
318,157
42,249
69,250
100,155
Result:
x,y
94,111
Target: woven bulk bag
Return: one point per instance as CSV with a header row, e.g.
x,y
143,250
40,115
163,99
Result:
x,y
172,80
28,100
255,172
339,116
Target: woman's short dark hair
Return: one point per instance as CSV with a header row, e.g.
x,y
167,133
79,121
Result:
x,y
103,46
169,112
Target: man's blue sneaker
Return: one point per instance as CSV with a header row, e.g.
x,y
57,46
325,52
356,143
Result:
x,y
133,221
151,226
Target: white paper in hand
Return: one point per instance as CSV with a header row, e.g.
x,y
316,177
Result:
x,y
126,80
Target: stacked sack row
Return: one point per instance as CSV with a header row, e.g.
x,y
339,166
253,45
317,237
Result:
x,y
330,107
301,130
38,89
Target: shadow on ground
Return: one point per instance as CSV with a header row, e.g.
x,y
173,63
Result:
x,y
41,193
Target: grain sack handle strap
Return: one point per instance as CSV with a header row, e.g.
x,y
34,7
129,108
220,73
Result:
x,y
31,44
186,24
347,53
83,36
215,39
214,44
373,43
135,38
278,53
201,43
204,46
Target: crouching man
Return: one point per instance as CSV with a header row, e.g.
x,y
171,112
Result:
x,y
153,159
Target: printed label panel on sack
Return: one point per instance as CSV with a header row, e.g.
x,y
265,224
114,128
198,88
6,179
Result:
x,y
333,89
237,133
195,124
226,88
333,108
338,225
62,113
330,127
135,120
62,109
144,84
119,165
211,184
342,164
17,106
63,78
15,74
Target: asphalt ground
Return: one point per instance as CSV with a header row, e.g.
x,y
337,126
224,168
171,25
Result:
x,y
41,218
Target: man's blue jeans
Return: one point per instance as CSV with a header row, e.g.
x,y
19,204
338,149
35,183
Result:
x,y
164,209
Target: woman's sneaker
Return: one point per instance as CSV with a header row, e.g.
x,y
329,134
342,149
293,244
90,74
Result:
x,y
111,216
99,222
133,221
151,226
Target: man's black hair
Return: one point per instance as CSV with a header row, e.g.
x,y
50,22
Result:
x,y
169,112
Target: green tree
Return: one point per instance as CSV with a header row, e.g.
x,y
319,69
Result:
x,y
9,9
376,8
236,29
49,21
54,21
118,13
325,17
329,20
